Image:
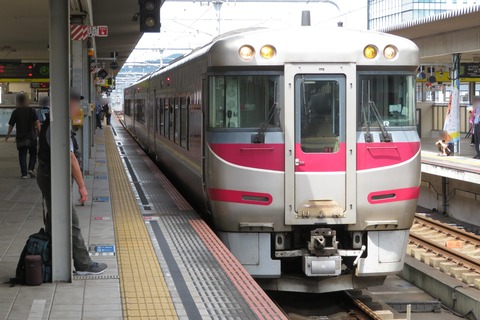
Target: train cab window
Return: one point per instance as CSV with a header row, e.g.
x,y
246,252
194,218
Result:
x,y
385,100
320,112
244,101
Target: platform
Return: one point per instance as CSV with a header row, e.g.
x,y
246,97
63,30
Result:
x,y
170,264
461,166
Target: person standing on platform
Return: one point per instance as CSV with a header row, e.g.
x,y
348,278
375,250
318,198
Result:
x,y
81,259
99,115
108,112
476,125
26,120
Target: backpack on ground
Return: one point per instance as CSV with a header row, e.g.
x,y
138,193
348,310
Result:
x,y
37,244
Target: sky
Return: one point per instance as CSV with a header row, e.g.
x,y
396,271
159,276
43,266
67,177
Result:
x,y
189,25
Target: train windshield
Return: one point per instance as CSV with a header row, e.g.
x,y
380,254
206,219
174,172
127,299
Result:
x,y
385,100
244,102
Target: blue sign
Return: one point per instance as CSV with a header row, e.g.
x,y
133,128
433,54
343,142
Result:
x,y
105,248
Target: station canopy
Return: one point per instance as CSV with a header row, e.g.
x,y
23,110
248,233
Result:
x,y
440,36
25,34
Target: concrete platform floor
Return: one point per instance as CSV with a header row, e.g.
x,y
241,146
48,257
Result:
x,y
21,215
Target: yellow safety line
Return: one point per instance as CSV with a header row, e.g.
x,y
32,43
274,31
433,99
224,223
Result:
x,y
143,288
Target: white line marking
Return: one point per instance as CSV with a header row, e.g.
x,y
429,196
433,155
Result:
x,y
36,311
12,193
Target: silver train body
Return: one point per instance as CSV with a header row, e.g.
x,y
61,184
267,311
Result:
x,y
300,143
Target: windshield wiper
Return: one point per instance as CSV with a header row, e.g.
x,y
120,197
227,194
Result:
x,y
368,137
385,135
369,106
259,137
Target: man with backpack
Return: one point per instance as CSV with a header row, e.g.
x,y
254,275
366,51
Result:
x,y
81,259
26,120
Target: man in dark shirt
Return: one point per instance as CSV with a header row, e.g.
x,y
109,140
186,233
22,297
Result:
x,y
28,125
81,259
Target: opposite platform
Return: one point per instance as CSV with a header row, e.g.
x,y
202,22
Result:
x,y
461,166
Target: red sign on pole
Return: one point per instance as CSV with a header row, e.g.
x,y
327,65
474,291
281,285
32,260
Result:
x,y
102,31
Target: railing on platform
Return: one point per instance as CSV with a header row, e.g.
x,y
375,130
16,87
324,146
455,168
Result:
x,y
439,112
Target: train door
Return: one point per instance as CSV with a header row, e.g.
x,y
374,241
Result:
x,y
320,173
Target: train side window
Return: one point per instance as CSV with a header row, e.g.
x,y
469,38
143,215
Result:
x,y
171,124
184,103
168,118
165,117
127,109
158,108
244,101
178,103
140,110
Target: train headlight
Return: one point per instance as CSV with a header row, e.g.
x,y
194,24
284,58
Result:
x,y
268,52
246,52
370,51
390,52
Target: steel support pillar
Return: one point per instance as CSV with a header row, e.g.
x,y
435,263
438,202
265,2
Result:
x,y
59,34
456,84
445,195
471,91
80,81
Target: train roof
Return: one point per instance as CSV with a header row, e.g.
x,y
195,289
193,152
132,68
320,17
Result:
x,y
302,45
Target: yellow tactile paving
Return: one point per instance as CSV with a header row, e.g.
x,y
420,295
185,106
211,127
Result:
x,y
144,292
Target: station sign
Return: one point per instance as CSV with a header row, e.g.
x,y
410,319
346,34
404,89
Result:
x,y
470,70
14,70
39,85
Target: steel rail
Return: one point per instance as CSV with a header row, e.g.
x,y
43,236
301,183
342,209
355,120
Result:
x,y
428,222
452,255
363,307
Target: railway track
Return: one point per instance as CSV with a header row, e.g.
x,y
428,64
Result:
x,y
349,305
450,249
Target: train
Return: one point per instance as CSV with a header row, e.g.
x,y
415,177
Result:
x,y
300,144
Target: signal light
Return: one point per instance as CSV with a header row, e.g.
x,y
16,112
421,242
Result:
x,y
370,51
246,52
30,75
150,15
390,52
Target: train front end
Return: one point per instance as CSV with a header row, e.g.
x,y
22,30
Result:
x,y
312,158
